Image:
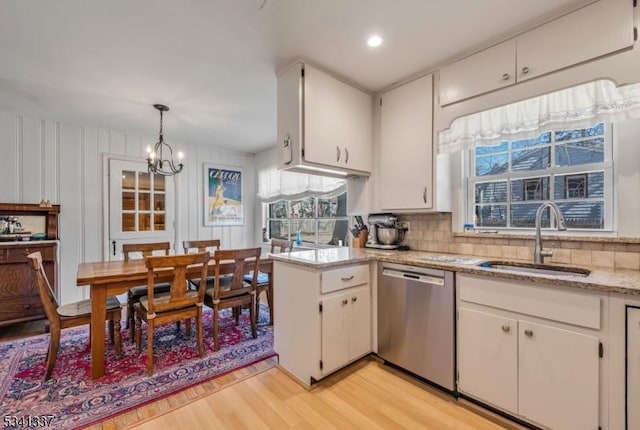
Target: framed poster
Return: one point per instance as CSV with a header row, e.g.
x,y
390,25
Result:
x,y
223,196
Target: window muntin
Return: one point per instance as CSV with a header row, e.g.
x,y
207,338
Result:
x,y
571,167
143,202
320,220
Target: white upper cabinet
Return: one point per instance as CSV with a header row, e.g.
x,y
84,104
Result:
x,y
406,149
485,71
598,29
323,123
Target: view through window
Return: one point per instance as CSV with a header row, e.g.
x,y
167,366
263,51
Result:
x,y
318,219
573,168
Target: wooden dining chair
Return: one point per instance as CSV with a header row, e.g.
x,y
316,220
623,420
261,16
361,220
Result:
x,y
277,246
210,246
177,304
133,295
236,293
69,315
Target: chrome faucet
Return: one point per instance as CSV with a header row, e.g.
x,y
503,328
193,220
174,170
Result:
x,y
538,252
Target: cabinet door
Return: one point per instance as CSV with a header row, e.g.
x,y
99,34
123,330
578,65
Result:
x,y
360,322
598,29
406,153
335,334
487,358
337,122
485,71
289,115
633,368
558,377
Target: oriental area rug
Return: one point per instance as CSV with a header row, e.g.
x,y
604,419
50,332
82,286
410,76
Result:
x,y
73,400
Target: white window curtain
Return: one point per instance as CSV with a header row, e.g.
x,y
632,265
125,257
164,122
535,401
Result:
x,y
274,185
576,107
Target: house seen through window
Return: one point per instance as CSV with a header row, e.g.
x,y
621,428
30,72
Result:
x,y
573,168
318,219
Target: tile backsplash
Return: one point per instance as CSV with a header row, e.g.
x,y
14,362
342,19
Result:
x,y
432,232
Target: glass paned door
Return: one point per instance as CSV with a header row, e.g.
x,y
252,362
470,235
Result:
x,y
140,208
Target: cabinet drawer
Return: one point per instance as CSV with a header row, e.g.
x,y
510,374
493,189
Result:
x,y
21,307
344,277
540,301
18,254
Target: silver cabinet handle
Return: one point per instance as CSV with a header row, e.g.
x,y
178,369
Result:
x,y
337,153
506,76
347,279
525,70
506,328
345,302
528,333
354,299
424,194
346,155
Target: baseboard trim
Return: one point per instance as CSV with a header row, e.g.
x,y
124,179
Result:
x,y
497,418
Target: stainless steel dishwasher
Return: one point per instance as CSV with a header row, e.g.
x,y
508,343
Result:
x,y
416,321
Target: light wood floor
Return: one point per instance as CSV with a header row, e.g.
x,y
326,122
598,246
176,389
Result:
x,y
365,395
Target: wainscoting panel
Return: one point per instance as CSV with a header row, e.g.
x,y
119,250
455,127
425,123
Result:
x,y
63,163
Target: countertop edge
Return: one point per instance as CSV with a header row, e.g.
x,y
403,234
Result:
x,y
600,280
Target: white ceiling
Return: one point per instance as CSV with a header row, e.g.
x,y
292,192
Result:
x,y
213,62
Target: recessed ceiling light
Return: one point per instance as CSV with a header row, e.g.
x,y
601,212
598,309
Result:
x,y
374,41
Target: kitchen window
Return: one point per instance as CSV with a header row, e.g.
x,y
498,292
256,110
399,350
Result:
x,y
573,168
320,220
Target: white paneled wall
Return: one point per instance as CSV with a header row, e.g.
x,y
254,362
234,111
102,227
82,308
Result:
x,y
42,159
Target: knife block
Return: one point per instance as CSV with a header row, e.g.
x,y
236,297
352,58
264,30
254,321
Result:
x,y
361,240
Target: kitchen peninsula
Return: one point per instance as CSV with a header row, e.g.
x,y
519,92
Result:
x,y
326,317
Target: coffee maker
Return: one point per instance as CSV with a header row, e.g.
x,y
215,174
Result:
x,y
385,231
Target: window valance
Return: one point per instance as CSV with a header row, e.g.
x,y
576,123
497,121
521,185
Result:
x,y
576,107
274,184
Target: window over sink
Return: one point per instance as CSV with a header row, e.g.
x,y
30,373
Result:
x,y
573,167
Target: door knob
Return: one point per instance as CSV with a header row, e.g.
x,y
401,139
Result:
x,y
528,333
525,70
345,302
354,299
506,328
505,77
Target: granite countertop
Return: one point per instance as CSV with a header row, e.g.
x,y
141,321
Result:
x,y
600,279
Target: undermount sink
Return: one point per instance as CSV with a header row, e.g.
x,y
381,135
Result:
x,y
541,269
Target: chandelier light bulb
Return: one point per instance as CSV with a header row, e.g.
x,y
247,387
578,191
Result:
x,y
160,159
180,155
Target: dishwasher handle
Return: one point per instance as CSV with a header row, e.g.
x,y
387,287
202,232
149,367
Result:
x,y
417,277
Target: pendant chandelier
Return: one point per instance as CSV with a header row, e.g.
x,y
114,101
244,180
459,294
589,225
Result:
x,y
160,158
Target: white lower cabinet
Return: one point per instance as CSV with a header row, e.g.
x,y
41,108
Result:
x,y
633,367
322,318
544,371
488,358
544,374
346,327
557,377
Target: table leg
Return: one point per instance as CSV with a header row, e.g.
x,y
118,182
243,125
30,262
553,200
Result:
x,y
98,317
270,298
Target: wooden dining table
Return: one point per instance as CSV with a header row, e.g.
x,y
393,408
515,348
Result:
x,y
108,278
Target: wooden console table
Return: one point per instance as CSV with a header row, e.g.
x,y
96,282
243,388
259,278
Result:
x,y
19,298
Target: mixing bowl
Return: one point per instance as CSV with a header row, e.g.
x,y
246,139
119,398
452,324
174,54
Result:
x,y
388,235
